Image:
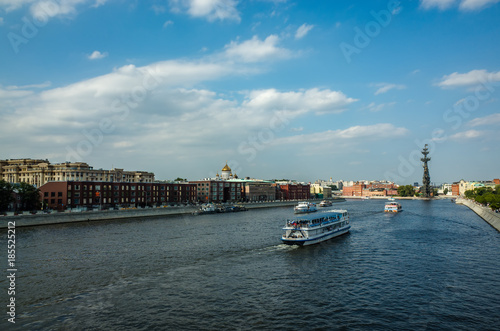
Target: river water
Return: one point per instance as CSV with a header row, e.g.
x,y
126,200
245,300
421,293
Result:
x,y
435,266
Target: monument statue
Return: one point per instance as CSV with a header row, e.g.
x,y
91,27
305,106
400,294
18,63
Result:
x,y
426,182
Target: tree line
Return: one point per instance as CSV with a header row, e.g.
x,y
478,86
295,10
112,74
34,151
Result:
x,y
486,196
28,196
409,191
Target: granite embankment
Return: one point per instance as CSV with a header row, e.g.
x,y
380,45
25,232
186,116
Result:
x,y
485,213
106,215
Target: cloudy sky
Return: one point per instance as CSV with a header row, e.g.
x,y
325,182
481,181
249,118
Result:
x,y
278,88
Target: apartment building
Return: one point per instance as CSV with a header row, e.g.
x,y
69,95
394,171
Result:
x,y
218,190
89,194
39,172
259,191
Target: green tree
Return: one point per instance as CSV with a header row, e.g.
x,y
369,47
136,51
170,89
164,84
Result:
x,y
497,189
469,194
480,199
29,196
445,192
6,191
406,191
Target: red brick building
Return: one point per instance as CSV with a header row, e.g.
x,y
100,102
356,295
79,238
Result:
x,y
88,194
370,190
354,191
293,191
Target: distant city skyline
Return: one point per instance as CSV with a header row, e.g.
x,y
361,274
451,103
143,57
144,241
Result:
x,y
278,88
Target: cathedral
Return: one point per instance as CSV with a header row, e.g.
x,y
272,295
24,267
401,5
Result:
x,y
226,173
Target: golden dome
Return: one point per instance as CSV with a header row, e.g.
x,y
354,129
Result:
x,y
226,168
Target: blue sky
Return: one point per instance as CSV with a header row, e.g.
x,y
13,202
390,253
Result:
x,y
280,89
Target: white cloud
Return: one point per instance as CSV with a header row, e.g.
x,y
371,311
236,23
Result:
x,y
386,87
31,86
476,4
441,4
46,9
1,21
157,102
373,107
296,103
10,5
99,3
10,93
43,10
255,50
492,119
464,5
167,23
473,77
355,133
210,9
97,55
466,135
303,30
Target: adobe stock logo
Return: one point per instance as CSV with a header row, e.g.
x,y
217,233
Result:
x,y
372,29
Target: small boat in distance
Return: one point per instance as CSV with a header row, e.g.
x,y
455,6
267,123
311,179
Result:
x,y
206,208
393,207
391,199
315,228
325,203
305,207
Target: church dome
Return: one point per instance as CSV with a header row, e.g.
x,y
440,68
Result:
x,y
226,168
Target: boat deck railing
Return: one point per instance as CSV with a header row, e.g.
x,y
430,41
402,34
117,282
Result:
x,y
302,225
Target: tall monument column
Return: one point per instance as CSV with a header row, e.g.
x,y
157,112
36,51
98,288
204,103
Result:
x,y
426,181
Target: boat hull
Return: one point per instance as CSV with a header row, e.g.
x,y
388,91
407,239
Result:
x,y
316,239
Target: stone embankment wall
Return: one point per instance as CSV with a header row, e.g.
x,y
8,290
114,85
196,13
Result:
x,y
485,213
90,216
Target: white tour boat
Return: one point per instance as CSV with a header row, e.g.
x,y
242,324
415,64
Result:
x,y
315,228
325,203
393,207
305,207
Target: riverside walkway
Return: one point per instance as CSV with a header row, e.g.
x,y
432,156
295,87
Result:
x,y
485,213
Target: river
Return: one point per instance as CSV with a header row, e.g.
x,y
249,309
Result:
x,y
434,266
